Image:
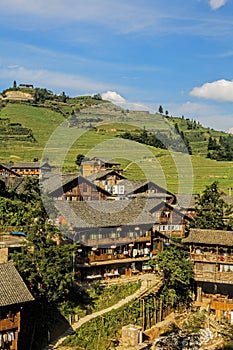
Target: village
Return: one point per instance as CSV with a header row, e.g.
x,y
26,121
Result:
x,y
120,226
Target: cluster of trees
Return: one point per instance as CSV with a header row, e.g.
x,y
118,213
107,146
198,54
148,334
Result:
x,y
41,95
161,139
183,137
211,210
221,149
45,266
21,209
178,276
145,137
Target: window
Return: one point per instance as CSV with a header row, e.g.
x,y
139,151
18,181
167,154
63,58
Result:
x,y
130,234
84,188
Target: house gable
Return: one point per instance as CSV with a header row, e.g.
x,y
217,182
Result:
x,y
80,188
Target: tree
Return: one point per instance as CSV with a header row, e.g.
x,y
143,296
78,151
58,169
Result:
x,y
45,266
97,97
210,208
14,85
178,276
63,97
160,109
79,159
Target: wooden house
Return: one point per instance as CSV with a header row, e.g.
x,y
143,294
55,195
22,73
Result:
x,y
6,171
30,168
97,164
138,188
13,296
169,220
108,179
73,187
115,236
211,252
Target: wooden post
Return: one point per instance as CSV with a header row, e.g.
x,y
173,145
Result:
x,y
160,310
155,310
143,314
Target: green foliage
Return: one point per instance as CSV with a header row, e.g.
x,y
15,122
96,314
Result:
x,y
79,159
194,322
103,297
45,266
228,346
144,137
160,110
210,208
22,209
43,120
97,97
14,131
42,95
221,150
160,139
178,276
97,333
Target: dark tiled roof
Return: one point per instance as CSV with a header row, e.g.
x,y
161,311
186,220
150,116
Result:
x,y
186,201
228,199
57,183
100,174
12,288
105,160
105,213
133,186
31,165
16,183
210,237
54,180
7,166
164,205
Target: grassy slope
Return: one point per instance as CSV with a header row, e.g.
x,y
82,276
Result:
x,y
44,121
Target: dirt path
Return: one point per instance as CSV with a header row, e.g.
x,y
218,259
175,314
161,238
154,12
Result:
x,y
148,282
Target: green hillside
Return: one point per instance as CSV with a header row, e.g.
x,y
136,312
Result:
x,y
100,121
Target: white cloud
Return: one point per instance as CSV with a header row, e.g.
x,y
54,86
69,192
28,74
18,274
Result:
x,y
216,4
113,97
53,80
230,131
117,99
219,90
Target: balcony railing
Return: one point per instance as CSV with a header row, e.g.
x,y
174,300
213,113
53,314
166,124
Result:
x,y
8,324
217,277
211,257
117,257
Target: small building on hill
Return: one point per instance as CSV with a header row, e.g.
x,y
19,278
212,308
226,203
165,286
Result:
x,y
6,171
30,168
98,164
13,296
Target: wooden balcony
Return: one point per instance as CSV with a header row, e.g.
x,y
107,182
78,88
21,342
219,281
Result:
x,y
8,324
111,258
109,241
211,257
215,277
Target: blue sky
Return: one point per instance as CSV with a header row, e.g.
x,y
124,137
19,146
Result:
x,y
140,53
